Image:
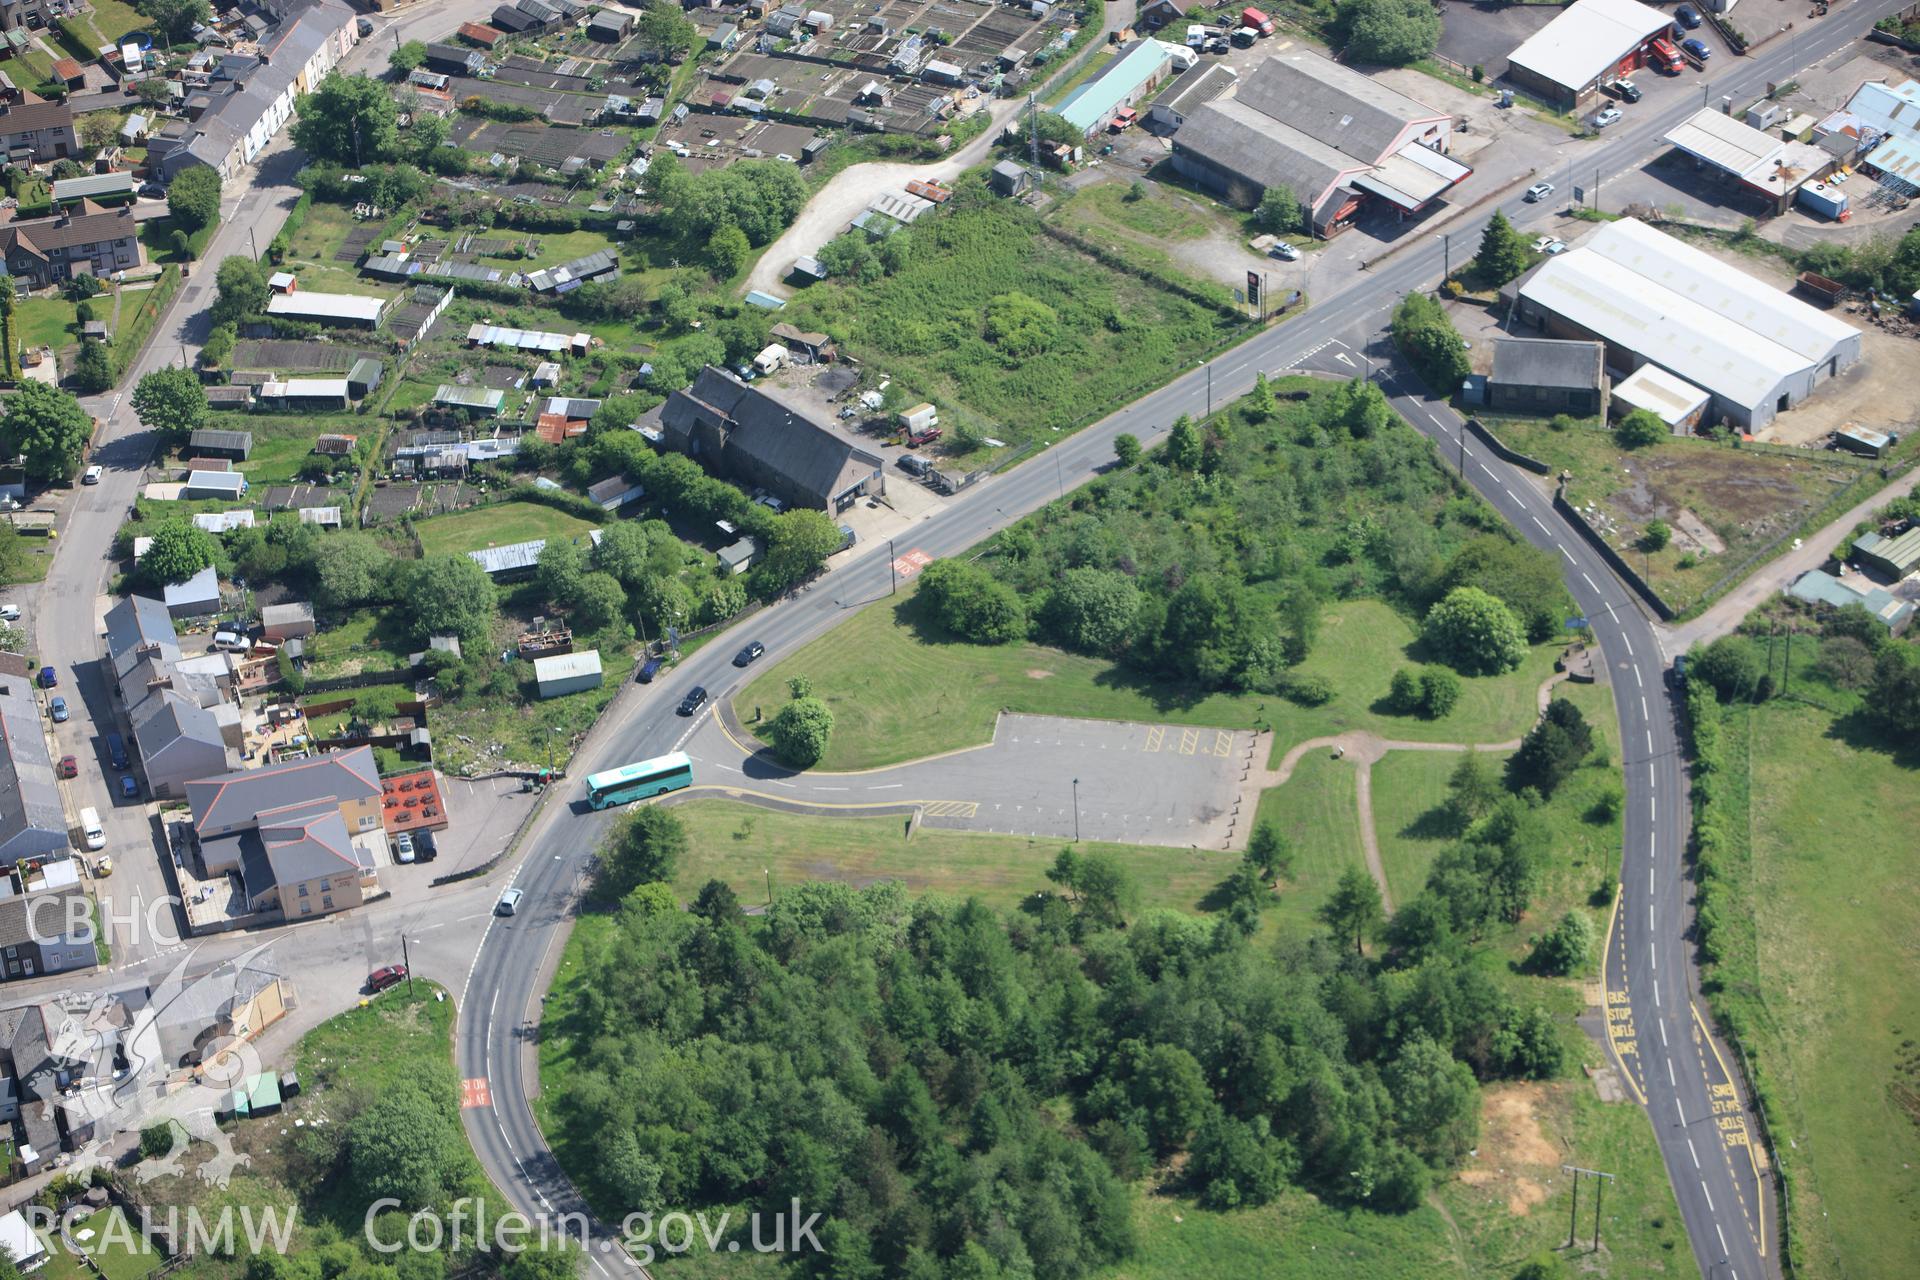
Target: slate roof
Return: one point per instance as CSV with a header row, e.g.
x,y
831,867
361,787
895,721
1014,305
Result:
x,y
298,844
235,800
23,117
1235,137
208,438
136,622
47,234
1355,114
815,459
1546,362
168,717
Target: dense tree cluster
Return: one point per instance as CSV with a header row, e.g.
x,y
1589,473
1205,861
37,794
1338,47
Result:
x,y
1556,745
1426,336
961,1093
1475,631
48,428
1388,33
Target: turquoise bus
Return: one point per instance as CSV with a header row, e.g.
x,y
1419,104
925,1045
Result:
x,y
638,781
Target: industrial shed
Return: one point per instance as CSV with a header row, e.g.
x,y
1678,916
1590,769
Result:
x,y
1655,300
1135,71
338,310
1590,43
564,673
1546,376
1197,86
235,446
1896,557
1337,139
1756,163
1817,586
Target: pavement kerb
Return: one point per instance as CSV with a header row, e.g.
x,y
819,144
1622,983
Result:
x,y
740,736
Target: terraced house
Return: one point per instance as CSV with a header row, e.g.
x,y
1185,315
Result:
x,y
34,129
49,250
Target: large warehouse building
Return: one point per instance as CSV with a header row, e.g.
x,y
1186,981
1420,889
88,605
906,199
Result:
x,y
1590,43
1332,136
1655,300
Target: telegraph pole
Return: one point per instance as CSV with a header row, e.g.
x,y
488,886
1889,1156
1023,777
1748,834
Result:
x,y
406,960
1599,1191
893,571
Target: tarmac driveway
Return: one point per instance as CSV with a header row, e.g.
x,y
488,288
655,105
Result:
x,y
1483,35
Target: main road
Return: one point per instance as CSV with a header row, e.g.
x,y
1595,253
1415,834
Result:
x,y
1658,1041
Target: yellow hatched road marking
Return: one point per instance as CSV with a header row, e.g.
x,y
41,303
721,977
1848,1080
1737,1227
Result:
x,y
1222,743
1189,740
1154,737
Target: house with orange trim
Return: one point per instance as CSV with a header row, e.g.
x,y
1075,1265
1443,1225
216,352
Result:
x,y
300,834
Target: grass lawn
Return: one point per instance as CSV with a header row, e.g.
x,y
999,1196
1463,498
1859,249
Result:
x,y
1319,813
1835,1013
368,640
386,695
47,322
498,525
897,695
528,727
738,843
1409,788
1751,500
113,19
115,1245
555,247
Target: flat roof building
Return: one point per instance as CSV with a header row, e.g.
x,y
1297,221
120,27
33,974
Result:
x,y
1675,401
1657,300
1758,163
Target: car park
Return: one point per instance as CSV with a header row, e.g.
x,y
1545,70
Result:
x,y
1697,47
58,709
747,656
403,847
1687,16
1539,191
509,903
1607,116
69,767
129,787
390,976
695,699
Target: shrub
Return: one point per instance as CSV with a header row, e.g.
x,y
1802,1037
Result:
x,y
1475,632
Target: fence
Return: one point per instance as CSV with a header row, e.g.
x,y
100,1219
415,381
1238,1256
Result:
x,y
1614,559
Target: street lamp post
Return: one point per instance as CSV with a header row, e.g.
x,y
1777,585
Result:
x,y
768,872
893,571
406,959
1446,256
1076,811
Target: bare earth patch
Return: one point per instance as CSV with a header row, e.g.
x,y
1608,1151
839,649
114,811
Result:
x,y
1515,1157
1039,673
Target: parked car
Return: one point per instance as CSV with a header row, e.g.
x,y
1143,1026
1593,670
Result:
x,y
648,670
69,767
58,709
390,976
129,787
153,191
403,847
1284,251
914,465
91,475
1607,116
1697,47
771,503
116,751
229,640
424,849
1687,16
695,699
747,656
1627,90
48,677
9,612
1539,191
509,903
1555,246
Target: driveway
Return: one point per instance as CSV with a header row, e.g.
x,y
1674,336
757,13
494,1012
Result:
x,y
1483,35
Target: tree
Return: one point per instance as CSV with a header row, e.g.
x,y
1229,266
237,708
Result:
x,y
972,603
1354,909
1894,697
1503,254
49,427
1269,851
403,1145
1439,692
1474,632
1435,1099
1108,892
176,19
1126,449
1552,749
547,1262
1656,535
241,291
1260,404
1524,577
350,569
1566,948
1403,691
1092,611
93,371
1422,329
645,847
179,551
194,197
727,250
1279,210
171,400
561,566
799,732
799,544
717,903
157,1140
1238,1163
666,33
1639,429
1183,444
598,602
1020,325
99,129
408,57
350,120
1731,665
1470,790
450,595
1389,33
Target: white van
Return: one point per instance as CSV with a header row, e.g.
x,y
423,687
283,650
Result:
x,y
90,828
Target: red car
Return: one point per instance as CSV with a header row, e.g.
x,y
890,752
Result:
x,y
69,767
380,979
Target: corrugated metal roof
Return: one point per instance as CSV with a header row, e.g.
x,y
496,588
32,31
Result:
x,y
1132,67
305,304
566,666
1726,143
469,397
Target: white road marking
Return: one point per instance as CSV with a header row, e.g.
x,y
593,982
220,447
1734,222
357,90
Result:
x,y
1678,1112
1716,1226
1542,527
1709,1195
1643,708
1568,554
1509,493
1653,958
895,786
1656,999
832,788
1628,642
1670,1076
1663,1033
1693,1153
1589,581
1649,742
1649,879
